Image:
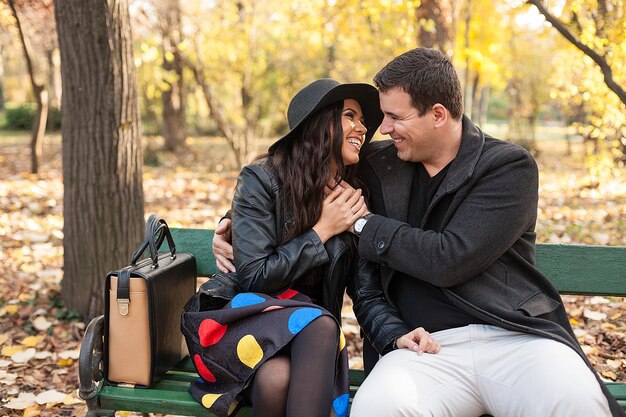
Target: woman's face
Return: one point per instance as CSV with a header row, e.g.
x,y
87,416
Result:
x,y
354,129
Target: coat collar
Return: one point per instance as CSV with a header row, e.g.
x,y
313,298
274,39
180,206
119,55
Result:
x,y
396,176
463,165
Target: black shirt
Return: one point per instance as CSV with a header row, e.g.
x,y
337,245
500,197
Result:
x,y
422,304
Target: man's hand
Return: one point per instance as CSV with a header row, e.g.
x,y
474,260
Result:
x,y
419,341
222,248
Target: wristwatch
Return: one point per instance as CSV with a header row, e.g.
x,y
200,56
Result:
x,y
359,224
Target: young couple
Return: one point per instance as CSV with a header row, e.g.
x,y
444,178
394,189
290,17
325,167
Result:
x,y
432,235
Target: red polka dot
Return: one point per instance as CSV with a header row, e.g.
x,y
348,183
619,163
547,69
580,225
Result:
x,y
210,332
203,371
287,294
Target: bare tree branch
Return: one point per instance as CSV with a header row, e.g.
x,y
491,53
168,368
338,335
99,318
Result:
x,y
214,108
597,58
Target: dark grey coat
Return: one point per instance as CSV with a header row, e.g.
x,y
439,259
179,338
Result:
x,y
476,241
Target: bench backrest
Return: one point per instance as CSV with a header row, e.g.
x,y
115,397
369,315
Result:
x,y
574,269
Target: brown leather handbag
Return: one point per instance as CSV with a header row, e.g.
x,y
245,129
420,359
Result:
x,y
143,306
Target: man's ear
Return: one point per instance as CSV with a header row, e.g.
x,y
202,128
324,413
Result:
x,y
441,114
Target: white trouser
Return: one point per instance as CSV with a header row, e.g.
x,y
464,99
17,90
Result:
x,y
482,369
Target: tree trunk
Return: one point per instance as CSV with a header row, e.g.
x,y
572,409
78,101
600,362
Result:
x,y
102,158
1,80
39,127
436,24
54,86
41,97
474,110
483,106
469,96
174,109
174,97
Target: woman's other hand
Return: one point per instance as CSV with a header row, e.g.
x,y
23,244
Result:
x,y
341,208
222,248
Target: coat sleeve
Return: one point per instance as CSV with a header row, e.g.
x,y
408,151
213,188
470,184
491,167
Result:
x,y
263,263
379,320
492,214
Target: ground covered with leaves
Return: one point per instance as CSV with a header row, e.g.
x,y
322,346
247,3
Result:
x,y
40,338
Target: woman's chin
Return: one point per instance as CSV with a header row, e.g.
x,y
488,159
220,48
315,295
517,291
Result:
x,y
351,159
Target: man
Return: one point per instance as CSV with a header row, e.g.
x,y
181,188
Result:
x,y
451,251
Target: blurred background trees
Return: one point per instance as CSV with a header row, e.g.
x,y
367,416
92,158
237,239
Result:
x,y
228,67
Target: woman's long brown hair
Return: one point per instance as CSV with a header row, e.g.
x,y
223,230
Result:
x,y
302,165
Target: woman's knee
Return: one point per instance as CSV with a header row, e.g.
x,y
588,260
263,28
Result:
x,y
320,335
325,324
273,375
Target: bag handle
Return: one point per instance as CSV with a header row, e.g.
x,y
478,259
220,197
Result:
x,y
156,232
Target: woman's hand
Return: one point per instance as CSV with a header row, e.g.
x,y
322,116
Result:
x,y
419,341
222,248
341,208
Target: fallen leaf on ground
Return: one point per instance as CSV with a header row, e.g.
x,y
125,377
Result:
x,y
609,374
32,341
594,315
32,411
50,397
24,356
23,401
69,354
41,324
7,378
11,350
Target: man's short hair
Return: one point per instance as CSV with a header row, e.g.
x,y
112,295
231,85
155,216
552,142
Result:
x,y
428,76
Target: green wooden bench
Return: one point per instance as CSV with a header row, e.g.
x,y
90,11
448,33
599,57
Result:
x,y
574,269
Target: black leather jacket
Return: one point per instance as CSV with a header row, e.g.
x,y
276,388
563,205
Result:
x,y
266,265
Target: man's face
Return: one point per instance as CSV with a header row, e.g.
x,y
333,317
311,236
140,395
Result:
x,y
411,133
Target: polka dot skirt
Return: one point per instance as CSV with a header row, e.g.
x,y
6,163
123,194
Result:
x,y
228,345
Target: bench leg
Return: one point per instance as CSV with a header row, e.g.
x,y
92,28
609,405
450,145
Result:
x,y
90,368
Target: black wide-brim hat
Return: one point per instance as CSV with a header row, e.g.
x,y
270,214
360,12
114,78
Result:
x,y
325,91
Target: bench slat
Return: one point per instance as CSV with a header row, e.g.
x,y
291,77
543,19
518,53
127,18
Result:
x,y
584,269
150,401
158,399
574,269
197,242
618,389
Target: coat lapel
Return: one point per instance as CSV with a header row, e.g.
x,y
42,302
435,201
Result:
x,y
396,179
462,166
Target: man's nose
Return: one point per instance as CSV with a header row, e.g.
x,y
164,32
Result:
x,y
386,126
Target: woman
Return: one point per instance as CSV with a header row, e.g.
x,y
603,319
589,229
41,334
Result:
x,y
280,340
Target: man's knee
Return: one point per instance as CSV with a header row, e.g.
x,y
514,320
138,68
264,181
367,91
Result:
x,y
387,393
580,398
375,403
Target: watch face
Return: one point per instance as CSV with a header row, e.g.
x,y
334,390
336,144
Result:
x,y
358,225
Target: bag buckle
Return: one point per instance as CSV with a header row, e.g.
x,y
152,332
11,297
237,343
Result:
x,y
122,306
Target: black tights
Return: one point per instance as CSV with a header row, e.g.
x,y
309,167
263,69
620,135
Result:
x,y
299,380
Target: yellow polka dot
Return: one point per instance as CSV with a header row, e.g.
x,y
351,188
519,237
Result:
x,y
209,399
249,351
342,340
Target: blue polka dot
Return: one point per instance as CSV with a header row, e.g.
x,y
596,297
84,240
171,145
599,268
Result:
x,y
246,299
301,317
340,405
